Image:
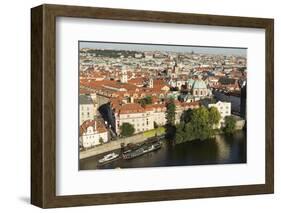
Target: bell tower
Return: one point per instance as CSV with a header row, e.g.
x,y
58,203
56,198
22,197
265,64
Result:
x,y
124,75
150,84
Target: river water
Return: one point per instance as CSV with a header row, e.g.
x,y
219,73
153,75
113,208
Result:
x,y
224,149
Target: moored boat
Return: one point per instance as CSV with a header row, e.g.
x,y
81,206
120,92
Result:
x,y
109,157
140,151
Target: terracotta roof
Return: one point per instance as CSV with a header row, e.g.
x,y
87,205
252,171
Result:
x,y
151,107
84,91
131,108
100,127
137,81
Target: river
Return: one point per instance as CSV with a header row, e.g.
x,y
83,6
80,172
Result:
x,y
223,149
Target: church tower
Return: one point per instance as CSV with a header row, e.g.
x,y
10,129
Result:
x,y
124,75
150,84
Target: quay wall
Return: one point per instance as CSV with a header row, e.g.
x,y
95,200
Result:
x,y
112,145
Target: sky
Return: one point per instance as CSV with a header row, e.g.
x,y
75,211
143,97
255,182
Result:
x,y
173,48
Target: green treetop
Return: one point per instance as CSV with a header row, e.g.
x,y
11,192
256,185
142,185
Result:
x,y
171,112
146,100
229,125
214,116
127,129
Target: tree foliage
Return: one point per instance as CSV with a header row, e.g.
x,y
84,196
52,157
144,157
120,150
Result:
x,y
186,116
229,125
197,124
127,129
101,140
171,112
146,100
200,123
214,116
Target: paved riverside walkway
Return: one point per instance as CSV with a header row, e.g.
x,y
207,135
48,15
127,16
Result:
x,y
112,145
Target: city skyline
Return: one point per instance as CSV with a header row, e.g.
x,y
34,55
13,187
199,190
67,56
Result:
x,y
236,51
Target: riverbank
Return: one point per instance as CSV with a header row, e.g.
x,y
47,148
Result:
x,y
223,149
115,145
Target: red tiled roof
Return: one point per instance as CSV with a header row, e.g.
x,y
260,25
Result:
x,y
151,107
131,108
100,127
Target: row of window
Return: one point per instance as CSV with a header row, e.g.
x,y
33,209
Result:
x,y
82,108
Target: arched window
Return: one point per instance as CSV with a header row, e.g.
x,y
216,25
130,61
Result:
x,y
201,92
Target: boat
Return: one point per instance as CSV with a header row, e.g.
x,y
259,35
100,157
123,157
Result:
x,y
109,157
129,154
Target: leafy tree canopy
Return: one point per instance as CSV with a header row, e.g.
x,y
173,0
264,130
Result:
x,y
229,125
127,129
145,101
171,112
214,116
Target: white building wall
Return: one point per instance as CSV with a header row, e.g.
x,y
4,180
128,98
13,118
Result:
x,y
92,138
87,112
160,118
224,109
141,121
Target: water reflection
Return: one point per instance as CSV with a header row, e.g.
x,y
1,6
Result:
x,y
223,148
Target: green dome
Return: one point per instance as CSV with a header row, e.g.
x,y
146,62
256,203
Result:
x,y
190,82
199,84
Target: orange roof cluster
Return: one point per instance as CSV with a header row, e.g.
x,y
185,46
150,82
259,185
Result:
x,y
84,91
152,107
97,124
131,108
110,88
137,81
191,105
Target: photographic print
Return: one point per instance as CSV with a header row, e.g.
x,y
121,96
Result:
x,y
158,105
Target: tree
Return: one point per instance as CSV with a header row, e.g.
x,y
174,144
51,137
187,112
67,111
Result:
x,y
171,112
229,125
189,132
155,124
101,140
186,116
200,123
214,116
179,135
179,138
146,100
127,129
